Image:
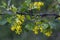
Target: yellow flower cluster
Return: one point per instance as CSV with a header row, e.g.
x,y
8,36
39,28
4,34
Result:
x,y
40,28
35,30
48,34
17,25
36,5
21,17
17,29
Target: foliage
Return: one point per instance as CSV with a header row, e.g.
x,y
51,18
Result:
x,y
36,24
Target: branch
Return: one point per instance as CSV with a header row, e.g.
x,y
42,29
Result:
x,y
41,14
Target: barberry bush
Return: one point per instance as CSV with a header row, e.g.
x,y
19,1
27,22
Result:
x,y
21,18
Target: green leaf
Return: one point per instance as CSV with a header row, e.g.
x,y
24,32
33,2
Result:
x,y
28,1
25,6
9,19
52,25
44,25
29,26
13,8
3,4
3,21
28,17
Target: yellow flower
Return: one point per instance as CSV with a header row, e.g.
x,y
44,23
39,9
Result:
x,y
13,28
18,21
41,29
22,18
38,23
18,30
36,28
36,32
35,3
38,5
58,18
18,16
48,33
31,6
41,3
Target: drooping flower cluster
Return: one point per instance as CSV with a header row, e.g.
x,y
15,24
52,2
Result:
x,y
17,24
36,5
38,27
35,30
17,29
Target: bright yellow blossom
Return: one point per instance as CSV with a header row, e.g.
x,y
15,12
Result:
x,y
17,25
21,17
18,16
35,28
31,6
36,5
18,30
41,3
36,32
13,28
41,29
18,21
48,33
58,18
